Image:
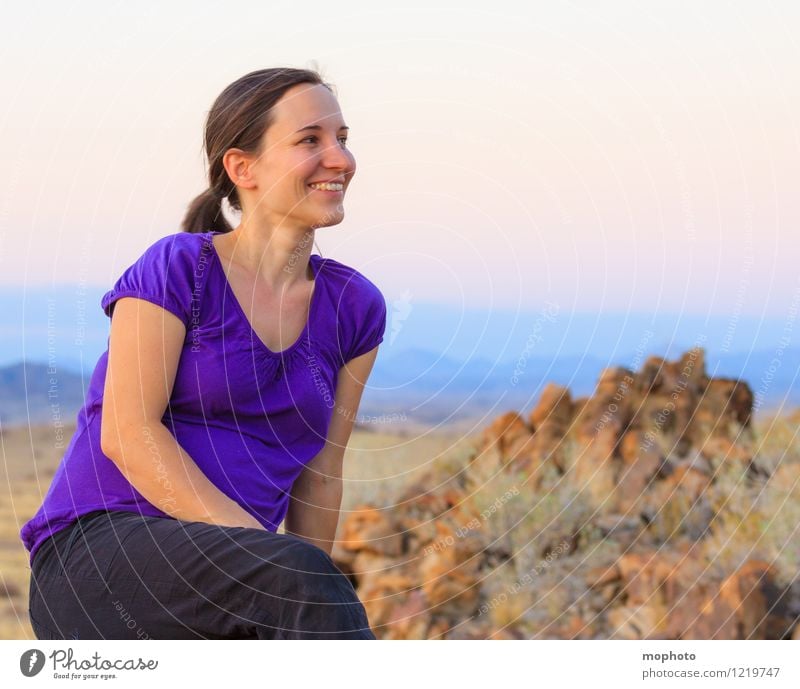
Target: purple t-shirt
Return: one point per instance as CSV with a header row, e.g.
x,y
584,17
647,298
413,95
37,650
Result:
x,y
249,417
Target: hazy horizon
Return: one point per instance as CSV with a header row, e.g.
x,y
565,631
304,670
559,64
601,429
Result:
x,y
79,328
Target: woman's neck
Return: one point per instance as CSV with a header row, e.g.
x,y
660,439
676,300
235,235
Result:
x,y
280,258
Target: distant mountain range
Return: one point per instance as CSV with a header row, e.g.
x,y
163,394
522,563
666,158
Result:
x,y
66,323
420,387
33,393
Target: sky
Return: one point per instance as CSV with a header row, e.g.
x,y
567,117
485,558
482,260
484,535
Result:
x,y
623,156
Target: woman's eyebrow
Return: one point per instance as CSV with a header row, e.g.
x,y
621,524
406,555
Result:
x,y
316,126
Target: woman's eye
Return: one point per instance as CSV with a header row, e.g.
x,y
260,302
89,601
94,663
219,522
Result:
x,y
343,139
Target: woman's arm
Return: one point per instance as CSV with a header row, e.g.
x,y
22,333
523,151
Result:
x,y
145,345
313,513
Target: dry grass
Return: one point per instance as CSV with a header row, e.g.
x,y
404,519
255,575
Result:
x,y
30,458
379,465
760,518
752,518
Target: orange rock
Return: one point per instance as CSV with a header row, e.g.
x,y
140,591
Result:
x,y
645,621
554,408
742,593
550,419
644,574
576,627
503,431
369,568
368,528
382,585
737,609
729,398
651,378
448,582
686,481
438,629
641,463
521,452
597,577
409,618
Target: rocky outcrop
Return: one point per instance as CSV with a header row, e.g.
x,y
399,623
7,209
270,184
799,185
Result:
x,y
642,455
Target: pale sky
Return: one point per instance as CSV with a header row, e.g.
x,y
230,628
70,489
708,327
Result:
x,y
608,156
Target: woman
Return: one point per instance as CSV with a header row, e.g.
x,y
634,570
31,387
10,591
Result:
x,y
225,401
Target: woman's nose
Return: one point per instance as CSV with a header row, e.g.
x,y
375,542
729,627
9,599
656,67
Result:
x,y
337,157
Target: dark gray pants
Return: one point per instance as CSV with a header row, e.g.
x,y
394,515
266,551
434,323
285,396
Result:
x,y
121,575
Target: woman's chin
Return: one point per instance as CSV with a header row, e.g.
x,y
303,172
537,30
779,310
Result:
x,y
333,217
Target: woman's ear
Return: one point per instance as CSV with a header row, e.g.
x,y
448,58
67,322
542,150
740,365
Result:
x,y
238,164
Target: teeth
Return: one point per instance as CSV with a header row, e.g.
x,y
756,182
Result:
x,y
328,186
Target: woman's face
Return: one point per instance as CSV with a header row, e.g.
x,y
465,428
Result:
x,y
305,144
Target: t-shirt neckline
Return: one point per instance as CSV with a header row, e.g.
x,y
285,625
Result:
x,y
243,316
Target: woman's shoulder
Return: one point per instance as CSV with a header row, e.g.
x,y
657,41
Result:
x,y
166,273
177,254
172,252
360,309
179,244
347,279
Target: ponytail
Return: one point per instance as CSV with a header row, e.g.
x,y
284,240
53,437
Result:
x,y
205,214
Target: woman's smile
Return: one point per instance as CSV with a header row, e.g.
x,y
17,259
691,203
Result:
x,y
331,189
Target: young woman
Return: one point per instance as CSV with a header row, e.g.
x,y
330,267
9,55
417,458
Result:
x,y
234,371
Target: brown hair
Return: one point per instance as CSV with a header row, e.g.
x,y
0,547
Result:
x,y
239,117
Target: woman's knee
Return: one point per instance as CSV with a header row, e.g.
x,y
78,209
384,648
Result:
x,y
304,571
318,601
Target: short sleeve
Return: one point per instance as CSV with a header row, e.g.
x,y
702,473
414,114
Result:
x,y
367,322
162,275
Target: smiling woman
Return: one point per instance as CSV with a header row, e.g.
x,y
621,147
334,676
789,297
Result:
x,y
210,419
